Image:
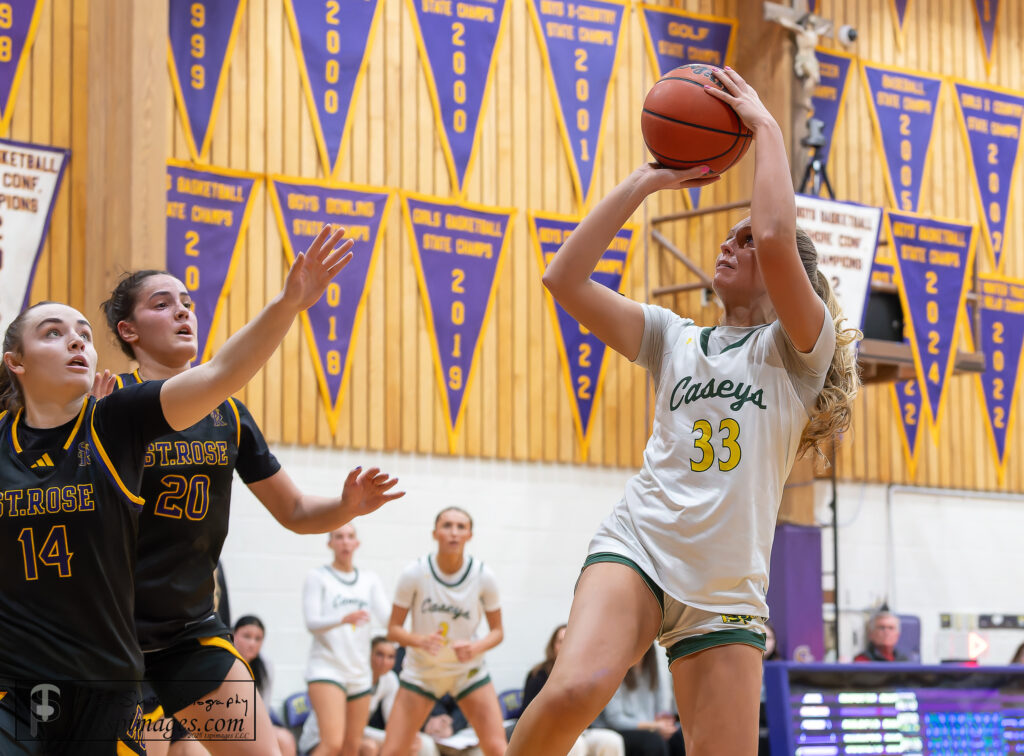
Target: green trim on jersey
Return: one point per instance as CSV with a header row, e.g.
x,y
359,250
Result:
x,y
337,575
607,556
469,566
705,336
478,684
324,681
417,689
703,642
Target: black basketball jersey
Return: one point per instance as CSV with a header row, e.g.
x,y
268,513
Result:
x,y
186,483
68,526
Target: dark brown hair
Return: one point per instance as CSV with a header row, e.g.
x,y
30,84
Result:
x,y
549,654
121,304
647,668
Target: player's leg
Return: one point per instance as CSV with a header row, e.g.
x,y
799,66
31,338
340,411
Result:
x,y
615,617
357,714
408,714
252,733
330,702
285,741
481,709
718,691
187,746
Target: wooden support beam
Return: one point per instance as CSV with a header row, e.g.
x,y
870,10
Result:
x,y
127,141
669,247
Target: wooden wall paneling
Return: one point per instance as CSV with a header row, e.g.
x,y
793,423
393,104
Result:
x,y
524,270
502,321
415,119
517,406
58,100
75,178
249,280
393,35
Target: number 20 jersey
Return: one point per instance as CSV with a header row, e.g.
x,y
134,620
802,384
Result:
x,y
186,483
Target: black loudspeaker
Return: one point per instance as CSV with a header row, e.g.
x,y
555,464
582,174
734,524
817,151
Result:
x,y
884,317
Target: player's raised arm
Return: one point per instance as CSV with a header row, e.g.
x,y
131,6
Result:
x,y
773,218
188,397
618,321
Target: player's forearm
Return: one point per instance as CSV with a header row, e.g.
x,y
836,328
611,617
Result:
x,y
580,253
772,204
316,514
401,636
489,641
188,397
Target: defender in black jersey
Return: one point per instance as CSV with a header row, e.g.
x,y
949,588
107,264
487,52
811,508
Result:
x,y
187,486
70,475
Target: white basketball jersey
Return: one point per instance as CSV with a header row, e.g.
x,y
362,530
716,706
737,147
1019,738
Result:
x,y
731,405
451,605
328,596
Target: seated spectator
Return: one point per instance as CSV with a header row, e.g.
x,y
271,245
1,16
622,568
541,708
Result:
x,y
249,632
594,741
641,711
883,635
385,686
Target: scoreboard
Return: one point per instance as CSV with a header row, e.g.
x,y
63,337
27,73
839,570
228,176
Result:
x,y
833,710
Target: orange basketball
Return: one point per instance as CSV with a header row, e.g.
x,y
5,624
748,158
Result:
x,y
684,126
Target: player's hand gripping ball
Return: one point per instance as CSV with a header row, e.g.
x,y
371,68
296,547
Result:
x,y
684,126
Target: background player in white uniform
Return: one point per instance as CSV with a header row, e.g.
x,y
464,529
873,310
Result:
x,y
447,594
341,604
684,555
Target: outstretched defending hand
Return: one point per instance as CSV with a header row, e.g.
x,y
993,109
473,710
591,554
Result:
x,y
103,384
743,99
366,491
314,269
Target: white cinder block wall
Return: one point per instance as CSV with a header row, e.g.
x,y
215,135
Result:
x,y
532,525
533,522
928,552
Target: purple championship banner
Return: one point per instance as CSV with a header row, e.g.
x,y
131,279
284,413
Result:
x,y
906,395
674,38
458,250
202,37
18,24
207,215
990,121
581,352
903,107
899,15
934,258
579,42
830,93
987,12
457,41
1002,342
333,39
30,175
302,208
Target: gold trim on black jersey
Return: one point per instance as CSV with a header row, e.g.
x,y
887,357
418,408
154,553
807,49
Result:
x,y
138,500
218,642
71,436
238,421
